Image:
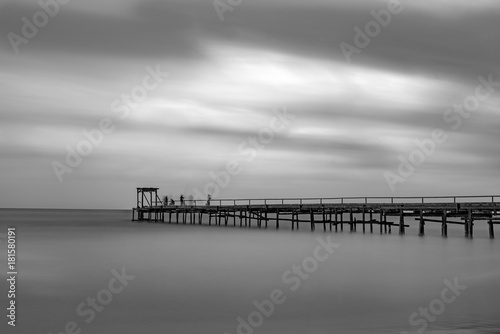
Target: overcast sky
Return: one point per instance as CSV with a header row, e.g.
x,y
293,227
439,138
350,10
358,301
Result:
x,y
352,116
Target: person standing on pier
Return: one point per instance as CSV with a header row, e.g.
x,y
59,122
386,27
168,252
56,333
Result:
x,y
182,199
209,197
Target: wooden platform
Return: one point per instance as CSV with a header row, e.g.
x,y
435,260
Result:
x,y
332,213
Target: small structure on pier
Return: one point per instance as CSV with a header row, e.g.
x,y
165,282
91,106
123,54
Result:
x,y
147,198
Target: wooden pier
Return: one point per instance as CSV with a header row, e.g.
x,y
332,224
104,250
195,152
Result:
x,y
332,213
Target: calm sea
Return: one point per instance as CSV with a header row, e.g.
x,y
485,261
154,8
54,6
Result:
x,y
200,279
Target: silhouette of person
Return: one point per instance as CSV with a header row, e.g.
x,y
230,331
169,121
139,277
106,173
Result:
x,y
182,199
209,197
172,202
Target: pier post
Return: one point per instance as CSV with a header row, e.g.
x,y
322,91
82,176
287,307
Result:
x,y
491,229
380,221
177,216
336,221
471,224
277,218
466,226
364,219
468,222
444,226
330,220
209,218
401,222
313,227
246,217
351,220
341,221
388,227
371,221
421,224
324,219
265,217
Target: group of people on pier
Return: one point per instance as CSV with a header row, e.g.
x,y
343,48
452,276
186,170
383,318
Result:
x,y
183,201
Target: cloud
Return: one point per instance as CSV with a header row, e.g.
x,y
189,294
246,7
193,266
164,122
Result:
x,y
225,78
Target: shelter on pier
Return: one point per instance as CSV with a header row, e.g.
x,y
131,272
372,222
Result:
x,y
148,197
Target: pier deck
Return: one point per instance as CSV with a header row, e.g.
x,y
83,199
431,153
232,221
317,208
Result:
x,y
333,213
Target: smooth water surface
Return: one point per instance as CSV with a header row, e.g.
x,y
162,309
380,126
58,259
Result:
x,y
200,279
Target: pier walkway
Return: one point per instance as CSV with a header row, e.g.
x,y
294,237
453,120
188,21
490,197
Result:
x,y
366,213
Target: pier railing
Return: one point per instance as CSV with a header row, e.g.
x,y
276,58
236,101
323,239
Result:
x,y
345,200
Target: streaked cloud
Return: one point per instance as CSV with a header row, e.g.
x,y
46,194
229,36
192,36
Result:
x,y
226,78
